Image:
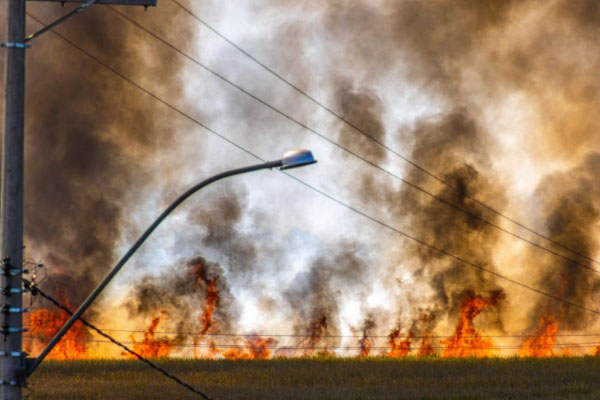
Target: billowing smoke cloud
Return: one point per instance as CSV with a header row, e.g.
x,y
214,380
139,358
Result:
x,y
314,294
447,228
88,135
571,207
195,298
468,57
506,85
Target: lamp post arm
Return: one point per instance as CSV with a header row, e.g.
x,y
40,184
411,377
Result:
x,y
86,304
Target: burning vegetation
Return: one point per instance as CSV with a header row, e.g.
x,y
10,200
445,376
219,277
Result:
x,y
494,58
45,323
466,341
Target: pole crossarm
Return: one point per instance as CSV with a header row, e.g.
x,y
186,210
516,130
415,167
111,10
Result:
x,y
145,3
60,20
85,4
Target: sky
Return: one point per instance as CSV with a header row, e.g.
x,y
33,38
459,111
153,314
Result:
x,y
496,99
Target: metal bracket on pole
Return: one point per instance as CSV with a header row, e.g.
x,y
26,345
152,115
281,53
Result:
x,y
7,291
7,309
61,20
13,354
13,272
15,45
8,270
7,330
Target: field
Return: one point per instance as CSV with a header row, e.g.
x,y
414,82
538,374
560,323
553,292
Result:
x,y
329,378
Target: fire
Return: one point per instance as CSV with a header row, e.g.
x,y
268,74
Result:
x,y
256,348
426,349
466,341
541,344
365,342
212,298
46,323
210,304
399,347
315,333
150,347
316,330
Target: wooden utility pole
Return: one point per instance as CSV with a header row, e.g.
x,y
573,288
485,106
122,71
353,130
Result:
x,y
13,362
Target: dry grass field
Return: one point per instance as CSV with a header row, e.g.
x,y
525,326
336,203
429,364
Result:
x,y
325,378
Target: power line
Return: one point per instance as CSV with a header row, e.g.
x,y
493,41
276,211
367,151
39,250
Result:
x,y
292,335
339,146
341,203
374,139
35,291
321,347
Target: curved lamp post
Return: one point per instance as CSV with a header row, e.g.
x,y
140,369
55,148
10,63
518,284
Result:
x,y
291,159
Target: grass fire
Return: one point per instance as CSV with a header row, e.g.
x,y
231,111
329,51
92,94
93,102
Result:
x,y
445,244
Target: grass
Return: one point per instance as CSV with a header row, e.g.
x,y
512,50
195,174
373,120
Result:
x,y
323,378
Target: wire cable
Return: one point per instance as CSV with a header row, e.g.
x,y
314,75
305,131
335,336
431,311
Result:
x,y
374,139
35,290
330,197
333,347
354,154
325,336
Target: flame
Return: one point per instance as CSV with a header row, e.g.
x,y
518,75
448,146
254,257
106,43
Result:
x,y
315,333
259,347
425,349
46,323
399,347
150,347
541,344
316,330
466,341
365,346
365,342
256,348
210,304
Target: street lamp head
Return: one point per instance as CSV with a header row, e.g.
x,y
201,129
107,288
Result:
x,y
297,158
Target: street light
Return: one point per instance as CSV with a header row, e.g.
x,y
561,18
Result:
x,y
291,159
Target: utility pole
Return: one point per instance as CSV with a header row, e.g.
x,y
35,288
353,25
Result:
x,y
13,361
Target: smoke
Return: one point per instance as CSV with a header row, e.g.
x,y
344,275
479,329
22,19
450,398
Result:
x,y
449,229
89,137
194,296
472,59
571,207
508,93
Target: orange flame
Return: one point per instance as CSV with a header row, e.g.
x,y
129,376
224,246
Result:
x,y
426,349
365,342
150,347
210,304
46,323
466,341
256,348
316,331
541,344
399,347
